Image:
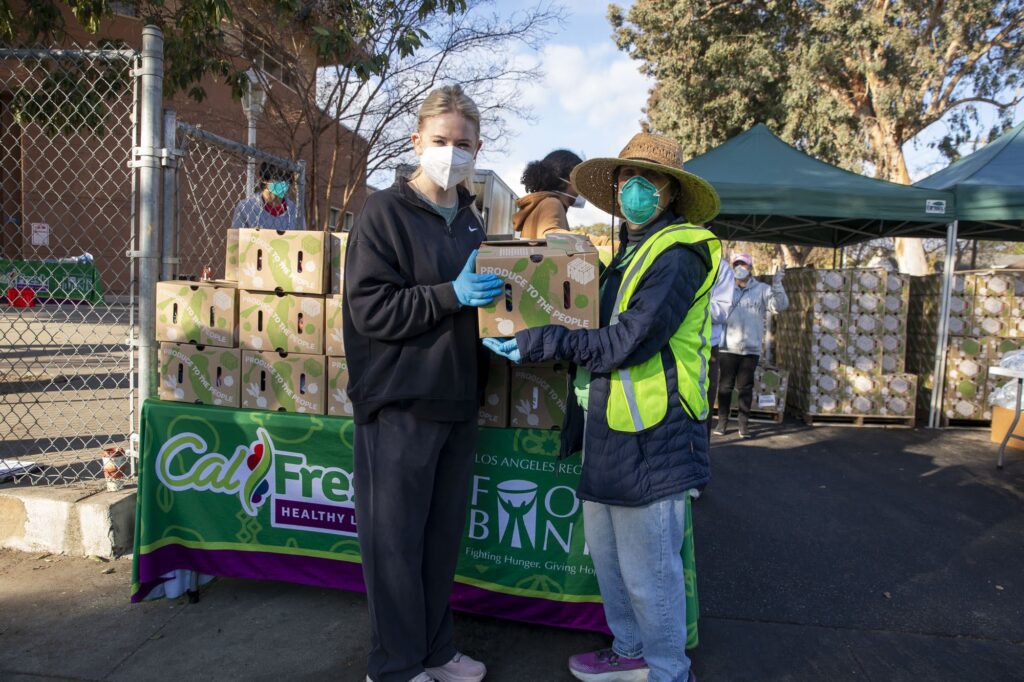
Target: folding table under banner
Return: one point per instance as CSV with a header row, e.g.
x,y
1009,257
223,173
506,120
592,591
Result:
x,y
269,495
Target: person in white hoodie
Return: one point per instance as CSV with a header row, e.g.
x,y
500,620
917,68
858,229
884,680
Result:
x,y
721,304
744,331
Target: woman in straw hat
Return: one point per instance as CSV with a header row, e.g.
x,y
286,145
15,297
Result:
x,y
641,388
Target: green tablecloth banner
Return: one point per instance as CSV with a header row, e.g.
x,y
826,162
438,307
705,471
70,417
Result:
x,y
53,281
269,495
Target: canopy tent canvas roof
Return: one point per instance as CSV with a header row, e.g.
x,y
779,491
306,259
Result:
x,y
772,192
989,189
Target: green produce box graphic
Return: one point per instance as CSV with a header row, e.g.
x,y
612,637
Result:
x,y
204,313
283,382
546,282
494,410
337,244
285,261
338,403
537,396
200,374
281,322
334,340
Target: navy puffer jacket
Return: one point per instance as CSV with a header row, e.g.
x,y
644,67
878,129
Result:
x,y
627,469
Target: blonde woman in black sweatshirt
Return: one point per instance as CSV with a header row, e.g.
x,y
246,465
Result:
x,y
414,361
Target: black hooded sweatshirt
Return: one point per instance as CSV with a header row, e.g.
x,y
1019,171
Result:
x,y
408,341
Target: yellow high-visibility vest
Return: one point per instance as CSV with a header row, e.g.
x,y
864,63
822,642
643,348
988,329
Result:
x,y
639,394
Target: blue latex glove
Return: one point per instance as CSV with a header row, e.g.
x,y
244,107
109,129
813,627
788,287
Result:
x,y
506,348
476,290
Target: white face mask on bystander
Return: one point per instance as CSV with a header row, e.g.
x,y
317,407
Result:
x,y
742,272
447,166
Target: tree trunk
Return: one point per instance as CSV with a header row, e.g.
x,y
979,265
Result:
x,y
795,256
910,256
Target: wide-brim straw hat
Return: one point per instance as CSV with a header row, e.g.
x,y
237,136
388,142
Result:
x,y
595,178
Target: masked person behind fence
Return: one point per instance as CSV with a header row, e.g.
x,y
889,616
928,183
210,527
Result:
x,y
269,207
641,379
744,333
410,328
551,195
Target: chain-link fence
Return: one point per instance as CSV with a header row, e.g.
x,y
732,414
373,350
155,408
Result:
x,y
67,202
213,176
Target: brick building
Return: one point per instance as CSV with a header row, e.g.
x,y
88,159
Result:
x,y
75,180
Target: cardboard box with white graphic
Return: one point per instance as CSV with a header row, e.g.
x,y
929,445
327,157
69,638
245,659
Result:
x,y
283,382
199,374
285,261
204,313
281,322
546,282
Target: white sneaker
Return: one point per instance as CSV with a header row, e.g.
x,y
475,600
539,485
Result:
x,y
461,668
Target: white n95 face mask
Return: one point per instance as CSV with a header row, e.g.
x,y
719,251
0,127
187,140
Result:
x,y
446,166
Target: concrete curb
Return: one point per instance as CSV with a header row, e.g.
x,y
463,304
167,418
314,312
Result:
x,y
77,522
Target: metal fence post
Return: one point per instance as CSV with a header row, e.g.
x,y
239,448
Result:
x,y
941,347
169,261
147,159
300,194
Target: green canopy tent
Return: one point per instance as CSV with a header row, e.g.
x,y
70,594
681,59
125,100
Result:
x,y
772,192
989,190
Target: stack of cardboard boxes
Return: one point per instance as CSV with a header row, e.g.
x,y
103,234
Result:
x,y
269,339
986,321
843,340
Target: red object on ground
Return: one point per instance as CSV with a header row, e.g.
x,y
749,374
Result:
x,y
21,298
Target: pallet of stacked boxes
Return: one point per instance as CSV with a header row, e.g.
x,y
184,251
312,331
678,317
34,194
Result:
x,y
985,322
842,340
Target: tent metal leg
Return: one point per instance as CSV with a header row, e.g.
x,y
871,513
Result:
x,y
942,343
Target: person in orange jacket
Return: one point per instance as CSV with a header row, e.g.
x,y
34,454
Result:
x,y
551,194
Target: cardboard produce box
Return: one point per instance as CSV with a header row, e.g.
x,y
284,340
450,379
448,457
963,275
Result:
x,y
200,374
864,353
1002,418
537,396
868,324
868,281
334,339
867,303
281,322
828,344
338,402
286,261
337,245
818,280
494,410
771,385
231,255
830,301
205,313
546,282
283,382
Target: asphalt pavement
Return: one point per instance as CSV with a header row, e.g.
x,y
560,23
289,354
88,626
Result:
x,y
822,554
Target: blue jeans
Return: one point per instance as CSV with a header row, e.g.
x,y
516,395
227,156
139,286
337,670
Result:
x,y
636,553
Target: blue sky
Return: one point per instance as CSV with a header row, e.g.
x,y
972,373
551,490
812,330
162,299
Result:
x,y
591,97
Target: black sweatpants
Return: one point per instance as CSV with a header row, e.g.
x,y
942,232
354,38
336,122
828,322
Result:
x,y
412,479
713,372
737,372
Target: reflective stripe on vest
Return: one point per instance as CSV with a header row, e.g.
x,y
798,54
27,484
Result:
x,y
638,399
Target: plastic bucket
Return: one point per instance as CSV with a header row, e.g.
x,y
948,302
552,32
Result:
x,y
21,297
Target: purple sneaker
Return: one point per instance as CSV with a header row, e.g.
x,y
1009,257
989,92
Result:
x,y
607,666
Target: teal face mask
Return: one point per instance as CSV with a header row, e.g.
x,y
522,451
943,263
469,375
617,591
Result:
x,y
638,199
279,189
